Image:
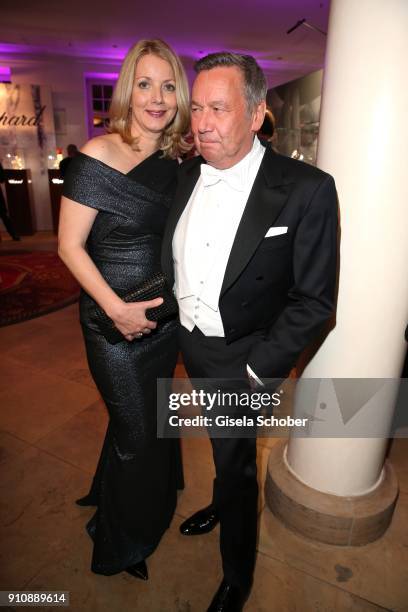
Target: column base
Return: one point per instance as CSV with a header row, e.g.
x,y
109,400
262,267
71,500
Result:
x,y
343,521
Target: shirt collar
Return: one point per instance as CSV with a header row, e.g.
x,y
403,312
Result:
x,y
237,176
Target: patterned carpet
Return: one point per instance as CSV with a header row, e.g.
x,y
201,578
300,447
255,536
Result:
x,y
33,283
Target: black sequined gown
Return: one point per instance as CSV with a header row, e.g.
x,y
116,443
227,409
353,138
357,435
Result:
x,y
137,477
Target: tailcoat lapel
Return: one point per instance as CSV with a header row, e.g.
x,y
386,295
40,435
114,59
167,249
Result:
x,y
266,200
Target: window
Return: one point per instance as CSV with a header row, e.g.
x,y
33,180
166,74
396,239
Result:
x,y
99,95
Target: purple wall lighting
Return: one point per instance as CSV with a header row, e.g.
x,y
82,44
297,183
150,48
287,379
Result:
x,y
112,76
5,74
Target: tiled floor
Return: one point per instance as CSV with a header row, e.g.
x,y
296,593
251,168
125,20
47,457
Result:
x,y
51,426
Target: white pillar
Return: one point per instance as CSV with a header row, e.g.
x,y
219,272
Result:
x,y
363,143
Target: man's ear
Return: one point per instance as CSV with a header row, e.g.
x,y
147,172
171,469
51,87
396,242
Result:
x,y
258,116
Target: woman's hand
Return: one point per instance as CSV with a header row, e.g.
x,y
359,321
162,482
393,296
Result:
x,y
130,318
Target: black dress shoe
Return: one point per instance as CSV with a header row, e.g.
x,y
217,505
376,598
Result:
x,y
228,598
88,500
201,522
139,570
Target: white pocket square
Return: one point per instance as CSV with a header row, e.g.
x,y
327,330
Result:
x,y
276,231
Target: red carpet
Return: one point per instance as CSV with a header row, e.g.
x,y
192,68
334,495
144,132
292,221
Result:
x,y
33,283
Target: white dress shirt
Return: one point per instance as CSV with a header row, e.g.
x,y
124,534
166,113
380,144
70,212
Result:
x,y
204,237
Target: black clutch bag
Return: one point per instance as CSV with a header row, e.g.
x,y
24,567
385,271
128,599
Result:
x,y
154,287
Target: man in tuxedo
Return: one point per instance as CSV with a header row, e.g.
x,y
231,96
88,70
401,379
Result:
x,y
252,237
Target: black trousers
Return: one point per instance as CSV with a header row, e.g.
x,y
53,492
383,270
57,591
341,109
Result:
x,y
235,494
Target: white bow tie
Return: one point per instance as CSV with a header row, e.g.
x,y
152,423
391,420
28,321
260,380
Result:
x,y
212,176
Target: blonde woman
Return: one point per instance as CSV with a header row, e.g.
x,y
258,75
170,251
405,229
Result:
x,y
116,198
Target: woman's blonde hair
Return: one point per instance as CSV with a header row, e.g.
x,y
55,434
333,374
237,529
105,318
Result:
x,y
172,142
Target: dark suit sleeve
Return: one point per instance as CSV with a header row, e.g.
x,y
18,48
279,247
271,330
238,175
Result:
x,y
311,297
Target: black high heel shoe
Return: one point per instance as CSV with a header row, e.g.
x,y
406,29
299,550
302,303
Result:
x,y
139,570
87,500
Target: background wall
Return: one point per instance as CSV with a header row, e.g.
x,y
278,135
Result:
x,y
27,131
296,108
64,80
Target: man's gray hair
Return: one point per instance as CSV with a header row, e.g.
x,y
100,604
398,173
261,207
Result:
x,y
254,78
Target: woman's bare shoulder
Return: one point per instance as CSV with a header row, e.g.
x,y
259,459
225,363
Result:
x,y
101,147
